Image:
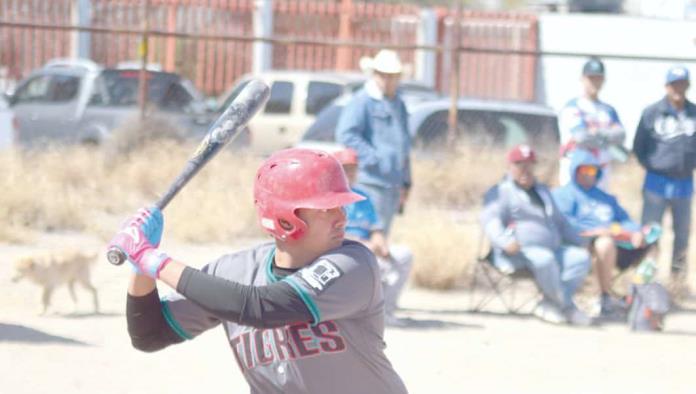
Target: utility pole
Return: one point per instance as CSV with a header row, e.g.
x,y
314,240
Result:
x,y
143,52
454,75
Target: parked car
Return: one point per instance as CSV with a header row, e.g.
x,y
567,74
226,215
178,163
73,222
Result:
x,y
8,125
589,6
296,97
78,101
481,122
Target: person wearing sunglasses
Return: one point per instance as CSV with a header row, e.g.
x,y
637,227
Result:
x,y
616,240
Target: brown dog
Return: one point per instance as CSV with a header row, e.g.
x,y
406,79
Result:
x,y
50,270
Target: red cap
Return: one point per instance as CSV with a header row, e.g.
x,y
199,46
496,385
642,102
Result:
x,y
347,156
520,153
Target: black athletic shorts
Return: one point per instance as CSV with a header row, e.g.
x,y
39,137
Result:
x,y
628,257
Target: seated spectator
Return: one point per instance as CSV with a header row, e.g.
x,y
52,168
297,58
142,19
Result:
x,y
527,230
394,261
617,241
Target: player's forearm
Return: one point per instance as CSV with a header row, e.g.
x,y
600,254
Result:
x,y
171,273
267,306
140,285
147,326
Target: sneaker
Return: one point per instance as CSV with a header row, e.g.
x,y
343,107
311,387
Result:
x,y
612,308
576,317
549,312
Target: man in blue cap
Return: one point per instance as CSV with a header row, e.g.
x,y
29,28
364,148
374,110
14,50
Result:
x,y
589,123
665,145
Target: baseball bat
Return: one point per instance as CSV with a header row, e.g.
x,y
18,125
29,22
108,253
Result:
x,y
226,127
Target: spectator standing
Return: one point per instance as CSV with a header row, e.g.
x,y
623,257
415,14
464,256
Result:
x,y
665,145
589,123
375,124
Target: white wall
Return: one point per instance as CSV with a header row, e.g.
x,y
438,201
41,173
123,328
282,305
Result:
x,y
631,84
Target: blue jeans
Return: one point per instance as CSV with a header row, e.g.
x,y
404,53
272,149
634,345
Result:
x,y
386,202
654,207
558,273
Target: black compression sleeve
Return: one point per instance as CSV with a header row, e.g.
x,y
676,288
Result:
x,y
268,306
147,327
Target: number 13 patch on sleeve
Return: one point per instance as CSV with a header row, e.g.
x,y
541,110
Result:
x,y
320,274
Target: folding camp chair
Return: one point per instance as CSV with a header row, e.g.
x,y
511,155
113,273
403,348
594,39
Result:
x,y
494,283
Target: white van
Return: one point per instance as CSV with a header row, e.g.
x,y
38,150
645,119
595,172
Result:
x,y
296,98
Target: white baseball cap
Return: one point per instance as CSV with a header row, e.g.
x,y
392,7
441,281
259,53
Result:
x,y
386,61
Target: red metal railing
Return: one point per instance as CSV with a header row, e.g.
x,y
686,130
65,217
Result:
x,y
197,39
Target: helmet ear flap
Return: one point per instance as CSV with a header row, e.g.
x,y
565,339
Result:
x,y
292,227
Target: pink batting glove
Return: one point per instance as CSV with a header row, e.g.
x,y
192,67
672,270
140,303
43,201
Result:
x,y
139,238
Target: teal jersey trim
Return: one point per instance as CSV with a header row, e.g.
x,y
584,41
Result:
x,y
306,298
169,317
269,266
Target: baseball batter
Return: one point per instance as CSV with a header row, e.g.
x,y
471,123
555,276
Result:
x,y
302,314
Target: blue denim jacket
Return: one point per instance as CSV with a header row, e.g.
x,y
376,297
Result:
x,y
377,128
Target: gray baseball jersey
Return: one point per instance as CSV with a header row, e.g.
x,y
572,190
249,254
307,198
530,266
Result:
x,y
341,351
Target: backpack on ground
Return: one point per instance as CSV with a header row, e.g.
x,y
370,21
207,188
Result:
x,y
649,304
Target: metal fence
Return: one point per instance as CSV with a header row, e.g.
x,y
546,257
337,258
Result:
x,y
213,42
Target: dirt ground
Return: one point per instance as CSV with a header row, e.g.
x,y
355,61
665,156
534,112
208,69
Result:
x,y
446,350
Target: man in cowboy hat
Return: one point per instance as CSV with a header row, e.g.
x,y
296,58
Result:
x,y
375,125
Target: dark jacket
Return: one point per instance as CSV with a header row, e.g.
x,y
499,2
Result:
x,y
665,144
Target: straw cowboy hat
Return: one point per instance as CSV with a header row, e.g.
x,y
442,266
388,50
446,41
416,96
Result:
x,y
386,62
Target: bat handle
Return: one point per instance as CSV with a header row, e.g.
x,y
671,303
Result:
x,y
116,256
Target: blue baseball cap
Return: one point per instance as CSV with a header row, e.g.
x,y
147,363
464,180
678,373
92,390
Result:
x,y
593,66
677,73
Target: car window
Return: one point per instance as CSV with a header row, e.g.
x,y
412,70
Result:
x,y
64,87
281,98
320,94
176,98
35,89
123,86
49,88
492,128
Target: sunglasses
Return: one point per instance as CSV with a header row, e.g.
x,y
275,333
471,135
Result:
x,y
588,170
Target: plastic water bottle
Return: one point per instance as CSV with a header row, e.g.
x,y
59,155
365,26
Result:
x,y
645,273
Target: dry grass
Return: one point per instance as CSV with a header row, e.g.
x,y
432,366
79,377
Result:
x,y
92,190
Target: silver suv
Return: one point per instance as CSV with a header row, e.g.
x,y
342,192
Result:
x,y
78,101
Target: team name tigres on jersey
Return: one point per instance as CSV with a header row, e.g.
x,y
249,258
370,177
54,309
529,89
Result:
x,y
255,347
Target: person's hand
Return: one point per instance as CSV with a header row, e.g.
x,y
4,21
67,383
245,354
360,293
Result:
x,y
139,238
596,232
512,248
403,197
378,244
637,239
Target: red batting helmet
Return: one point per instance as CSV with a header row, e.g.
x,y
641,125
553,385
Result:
x,y
298,178
347,156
